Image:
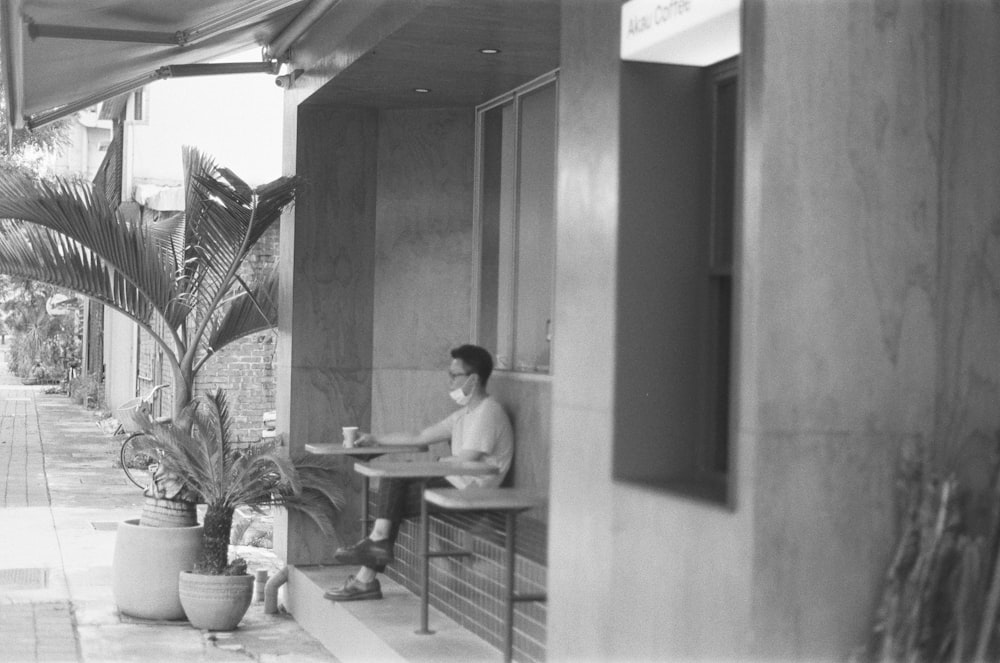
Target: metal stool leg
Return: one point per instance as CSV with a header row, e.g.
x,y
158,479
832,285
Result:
x,y
364,504
508,637
425,548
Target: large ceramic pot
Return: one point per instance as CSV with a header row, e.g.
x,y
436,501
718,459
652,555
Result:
x,y
215,603
145,567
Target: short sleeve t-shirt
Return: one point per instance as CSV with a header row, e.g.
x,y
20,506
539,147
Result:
x,y
485,429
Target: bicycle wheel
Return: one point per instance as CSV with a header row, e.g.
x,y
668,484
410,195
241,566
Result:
x,y
139,458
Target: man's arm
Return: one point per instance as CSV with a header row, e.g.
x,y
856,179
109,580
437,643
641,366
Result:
x,y
464,456
438,432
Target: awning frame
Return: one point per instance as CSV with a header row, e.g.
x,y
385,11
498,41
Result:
x,y
16,24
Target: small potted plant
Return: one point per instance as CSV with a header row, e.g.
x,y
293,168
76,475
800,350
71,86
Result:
x,y
216,593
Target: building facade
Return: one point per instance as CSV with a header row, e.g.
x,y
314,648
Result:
x,y
862,303
726,297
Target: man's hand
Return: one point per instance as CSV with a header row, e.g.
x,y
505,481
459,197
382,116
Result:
x,y
364,440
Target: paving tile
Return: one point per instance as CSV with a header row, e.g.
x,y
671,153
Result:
x,y
48,504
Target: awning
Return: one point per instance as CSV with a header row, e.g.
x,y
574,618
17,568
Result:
x,y
60,56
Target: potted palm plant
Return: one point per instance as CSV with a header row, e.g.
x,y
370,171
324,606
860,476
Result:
x,y
180,280
204,456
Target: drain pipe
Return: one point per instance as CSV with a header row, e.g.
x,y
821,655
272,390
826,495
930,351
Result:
x,y
271,591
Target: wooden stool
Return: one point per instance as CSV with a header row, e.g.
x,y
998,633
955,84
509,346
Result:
x,y
510,502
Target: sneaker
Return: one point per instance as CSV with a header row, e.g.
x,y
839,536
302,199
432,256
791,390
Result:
x,y
373,554
355,590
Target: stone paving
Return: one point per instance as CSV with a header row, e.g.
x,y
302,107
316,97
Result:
x,y
61,498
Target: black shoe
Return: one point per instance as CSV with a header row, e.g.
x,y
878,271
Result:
x,y
355,590
373,554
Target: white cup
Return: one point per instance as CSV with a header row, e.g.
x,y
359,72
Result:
x,y
350,435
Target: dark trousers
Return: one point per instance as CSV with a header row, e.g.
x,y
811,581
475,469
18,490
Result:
x,y
400,498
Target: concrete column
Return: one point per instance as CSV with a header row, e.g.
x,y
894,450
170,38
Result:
x,y
325,323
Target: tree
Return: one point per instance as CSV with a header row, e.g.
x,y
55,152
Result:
x,y
22,150
39,339
183,270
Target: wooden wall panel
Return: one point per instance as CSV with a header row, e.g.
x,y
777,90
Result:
x,y
423,262
325,324
842,221
424,259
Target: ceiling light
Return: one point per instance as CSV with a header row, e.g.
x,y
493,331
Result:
x,y
421,90
489,51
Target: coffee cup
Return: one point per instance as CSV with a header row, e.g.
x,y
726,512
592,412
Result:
x,y
350,435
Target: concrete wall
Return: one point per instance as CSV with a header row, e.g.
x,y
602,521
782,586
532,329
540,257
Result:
x,y
423,254
326,299
967,306
842,225
634,574
423,276
866,317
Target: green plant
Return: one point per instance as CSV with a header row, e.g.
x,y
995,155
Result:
x,y
42,345
85,389
206,459
184,271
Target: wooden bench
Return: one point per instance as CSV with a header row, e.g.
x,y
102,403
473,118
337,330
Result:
x,y
508,502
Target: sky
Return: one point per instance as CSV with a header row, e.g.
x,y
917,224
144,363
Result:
x,y
237,119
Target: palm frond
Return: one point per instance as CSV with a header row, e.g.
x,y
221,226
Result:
x,y
253,310
43,255
77,212
211,466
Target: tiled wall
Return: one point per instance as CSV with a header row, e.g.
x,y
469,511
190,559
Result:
x,y
469,589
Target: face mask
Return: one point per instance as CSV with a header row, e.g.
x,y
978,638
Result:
x,y
459,395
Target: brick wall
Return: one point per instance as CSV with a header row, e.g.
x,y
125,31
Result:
x,y
245,368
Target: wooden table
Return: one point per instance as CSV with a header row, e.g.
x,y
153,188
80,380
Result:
x,y
510,502
365,453
423,471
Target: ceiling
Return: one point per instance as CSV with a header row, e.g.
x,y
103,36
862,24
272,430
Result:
x,y
438,50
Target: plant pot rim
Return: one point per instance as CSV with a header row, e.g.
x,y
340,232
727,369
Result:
x,y
217,575
134,522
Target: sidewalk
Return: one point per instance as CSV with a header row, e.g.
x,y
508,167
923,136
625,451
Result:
x,y
60,500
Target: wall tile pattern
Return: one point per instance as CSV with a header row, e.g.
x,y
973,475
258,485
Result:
x,y
469,589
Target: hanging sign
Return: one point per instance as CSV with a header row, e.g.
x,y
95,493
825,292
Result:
x,y
687,32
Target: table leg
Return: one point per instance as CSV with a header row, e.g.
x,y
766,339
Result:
x,y
425,547
508,637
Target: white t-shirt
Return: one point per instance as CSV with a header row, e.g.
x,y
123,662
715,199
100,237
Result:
x,y
485,429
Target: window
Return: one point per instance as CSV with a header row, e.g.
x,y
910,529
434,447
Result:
x,y
721,91
674,332
515,210
138,111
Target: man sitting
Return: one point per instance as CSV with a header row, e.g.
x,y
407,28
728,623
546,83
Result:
x,y
479,431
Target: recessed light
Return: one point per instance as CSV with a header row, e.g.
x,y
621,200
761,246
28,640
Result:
x,y
489,51
421,90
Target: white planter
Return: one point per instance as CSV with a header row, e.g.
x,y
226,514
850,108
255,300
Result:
x,y
145,567
215,603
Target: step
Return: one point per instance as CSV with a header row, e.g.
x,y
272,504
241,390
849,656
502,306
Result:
x,y
383,631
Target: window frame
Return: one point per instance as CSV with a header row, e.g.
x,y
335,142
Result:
x,y
511,97
668,435
138,105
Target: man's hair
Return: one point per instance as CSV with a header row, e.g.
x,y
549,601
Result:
x,y
477,359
